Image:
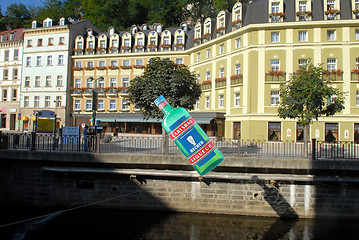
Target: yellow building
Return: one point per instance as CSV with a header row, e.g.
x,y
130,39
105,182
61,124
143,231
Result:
x,y
241,59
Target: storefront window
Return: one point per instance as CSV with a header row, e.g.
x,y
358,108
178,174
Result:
x,y
274,131
331,132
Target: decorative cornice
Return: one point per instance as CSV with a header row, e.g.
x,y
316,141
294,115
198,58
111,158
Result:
x,y
46,30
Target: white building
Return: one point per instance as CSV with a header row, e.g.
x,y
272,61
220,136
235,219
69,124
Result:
x,y
47,69
11,47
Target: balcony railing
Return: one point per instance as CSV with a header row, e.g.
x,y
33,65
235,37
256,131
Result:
x,y
76,91
276,77
123,90
354,77
206,86
112,91
220,84
333,76
237,80
88,91
101,91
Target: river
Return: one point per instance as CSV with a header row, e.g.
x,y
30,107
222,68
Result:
x,y
90,223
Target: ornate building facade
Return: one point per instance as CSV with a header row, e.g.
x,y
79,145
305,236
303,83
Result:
x,y
11,46
240,59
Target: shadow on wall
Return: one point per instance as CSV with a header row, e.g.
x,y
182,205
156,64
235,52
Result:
x,y
276,200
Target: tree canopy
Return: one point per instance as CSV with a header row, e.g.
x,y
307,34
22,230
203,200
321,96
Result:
x,y
17,16
308,95
121,14
163,77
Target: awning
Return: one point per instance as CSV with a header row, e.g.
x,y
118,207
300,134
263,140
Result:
x,y
127,119
25,118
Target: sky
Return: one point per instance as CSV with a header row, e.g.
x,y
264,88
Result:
x,y
5,3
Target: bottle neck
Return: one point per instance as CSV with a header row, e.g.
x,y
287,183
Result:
x,y
166,109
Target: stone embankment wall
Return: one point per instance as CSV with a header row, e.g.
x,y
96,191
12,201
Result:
x,y
243,186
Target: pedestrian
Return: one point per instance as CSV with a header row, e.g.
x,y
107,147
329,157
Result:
x,y
86,138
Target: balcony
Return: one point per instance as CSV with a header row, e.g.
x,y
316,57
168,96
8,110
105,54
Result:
x,y
101,50
152,48
332,14
123,90
236,79
355,75
275,76
334,75
101,91
179,47
112,91
76,92
206,85
78,51
219,31
220,82
113,50
90,51
87,91
236,24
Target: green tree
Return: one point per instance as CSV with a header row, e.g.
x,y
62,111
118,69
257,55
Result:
x,y
163,77
200,10
17,16
53,9
2,21
167,12
224,5
309,95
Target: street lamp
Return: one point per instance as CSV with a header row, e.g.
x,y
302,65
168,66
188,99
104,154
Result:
x,y
94,100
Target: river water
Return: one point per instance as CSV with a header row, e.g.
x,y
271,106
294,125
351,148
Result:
x,y
88,223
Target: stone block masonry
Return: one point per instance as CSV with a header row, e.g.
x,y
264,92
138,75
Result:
x,y
240,190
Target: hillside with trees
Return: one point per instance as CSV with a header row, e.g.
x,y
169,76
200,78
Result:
x,y
121,14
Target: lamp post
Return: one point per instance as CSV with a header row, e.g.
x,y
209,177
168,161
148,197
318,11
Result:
x,y
94,101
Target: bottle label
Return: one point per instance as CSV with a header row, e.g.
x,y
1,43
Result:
x,y
194,145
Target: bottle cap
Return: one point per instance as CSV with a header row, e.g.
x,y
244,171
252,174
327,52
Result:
x,y
160,100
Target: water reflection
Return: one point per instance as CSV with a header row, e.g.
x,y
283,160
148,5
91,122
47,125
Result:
x,y
120,224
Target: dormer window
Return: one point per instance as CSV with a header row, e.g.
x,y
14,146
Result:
x,y
332,11
102,44
47,22
330,4
236,16
184,27
34,24
179,39
159,28
144,27
114,43
303,12
134,30
153,40
275,14
111,31
356,9
127,42
62,21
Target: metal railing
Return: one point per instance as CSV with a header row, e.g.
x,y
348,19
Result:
x,y
335,151
158,144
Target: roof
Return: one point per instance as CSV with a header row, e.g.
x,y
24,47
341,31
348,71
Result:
x,y
18,35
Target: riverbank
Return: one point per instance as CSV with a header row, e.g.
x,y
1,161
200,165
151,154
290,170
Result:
x,y
290,188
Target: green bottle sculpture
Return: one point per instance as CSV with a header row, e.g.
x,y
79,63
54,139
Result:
x,y
189,137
